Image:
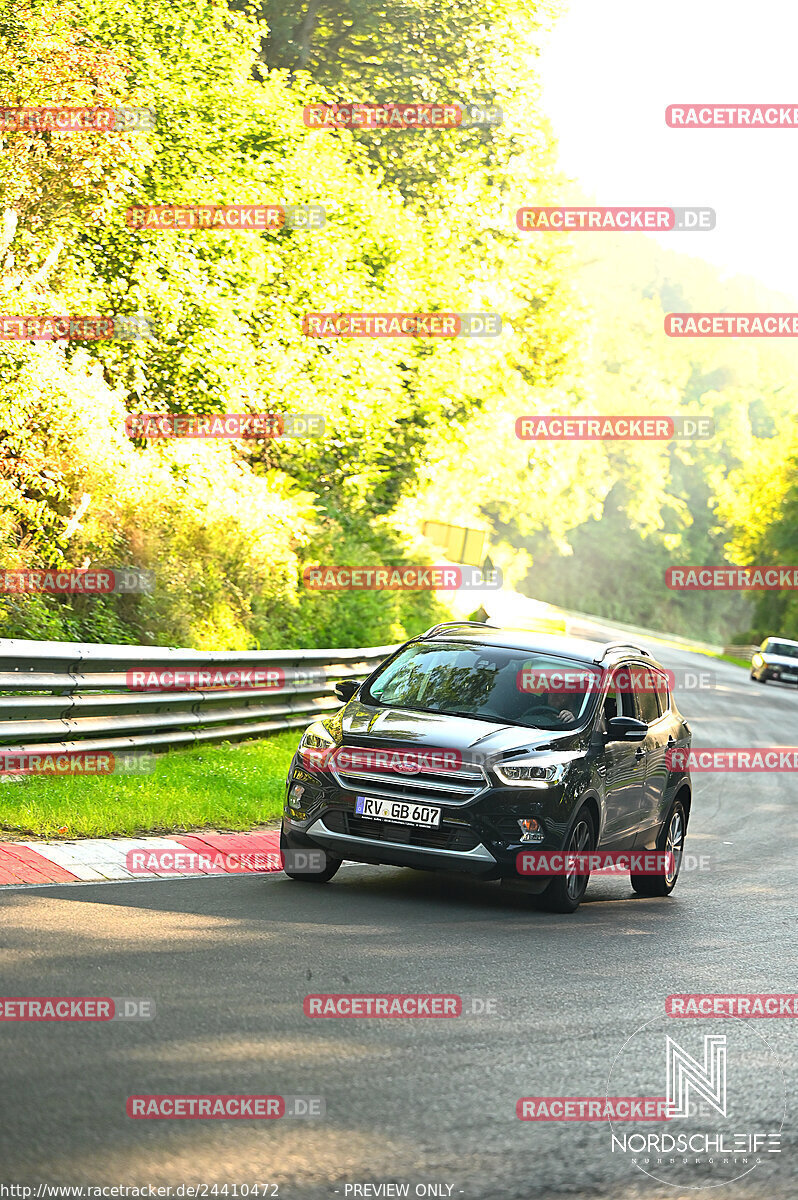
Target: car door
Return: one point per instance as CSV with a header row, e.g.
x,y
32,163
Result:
x,y
624,769
653,708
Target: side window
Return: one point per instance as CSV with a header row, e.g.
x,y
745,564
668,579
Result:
x,y
621,697
647,696
663,695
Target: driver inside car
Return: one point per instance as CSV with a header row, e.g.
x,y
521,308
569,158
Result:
x,y
568,706
565,705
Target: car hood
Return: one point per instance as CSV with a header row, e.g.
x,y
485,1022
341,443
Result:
x,y
780,660
364,724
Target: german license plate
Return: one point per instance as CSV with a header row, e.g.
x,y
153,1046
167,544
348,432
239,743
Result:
x,y
788,675
404,811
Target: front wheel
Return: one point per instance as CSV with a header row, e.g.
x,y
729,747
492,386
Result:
x,y
331,863
564,893
671,840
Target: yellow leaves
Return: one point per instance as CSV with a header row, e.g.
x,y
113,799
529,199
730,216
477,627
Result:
x,y
48,175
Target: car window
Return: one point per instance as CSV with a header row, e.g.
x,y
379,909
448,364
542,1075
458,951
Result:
x,y
784,649
663,695
646,696
620,700
490,683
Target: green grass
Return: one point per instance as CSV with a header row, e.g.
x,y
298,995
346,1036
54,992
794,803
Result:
x,y
732,658
739,662
229,786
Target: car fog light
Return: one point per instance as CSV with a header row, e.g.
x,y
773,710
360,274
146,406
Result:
x,y
295,795
531,829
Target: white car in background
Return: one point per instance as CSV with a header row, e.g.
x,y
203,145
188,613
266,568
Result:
x,y
776,658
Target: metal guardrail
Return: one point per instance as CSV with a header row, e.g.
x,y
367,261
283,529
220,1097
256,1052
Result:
x,y
62,696
745,652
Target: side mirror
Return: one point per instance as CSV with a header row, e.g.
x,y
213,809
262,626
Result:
x,y
626,729
346,689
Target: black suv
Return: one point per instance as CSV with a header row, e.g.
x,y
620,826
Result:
x,y
472,744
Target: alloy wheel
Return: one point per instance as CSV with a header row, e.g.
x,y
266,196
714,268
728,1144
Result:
x,y
578,844
674,844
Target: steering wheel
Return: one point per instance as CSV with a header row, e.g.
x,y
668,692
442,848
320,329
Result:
x,y
544,710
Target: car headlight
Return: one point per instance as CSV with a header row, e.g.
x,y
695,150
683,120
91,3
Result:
x,y
316,746
527,773
757,659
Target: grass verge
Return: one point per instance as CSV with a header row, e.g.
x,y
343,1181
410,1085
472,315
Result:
x,y
229,786
732,658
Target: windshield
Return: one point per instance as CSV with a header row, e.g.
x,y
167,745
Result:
x,y
489,683
785,649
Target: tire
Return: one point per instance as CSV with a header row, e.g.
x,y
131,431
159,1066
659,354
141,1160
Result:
x,y
331,866
671,837
564,893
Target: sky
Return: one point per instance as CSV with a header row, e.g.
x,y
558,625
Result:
x,y
610,69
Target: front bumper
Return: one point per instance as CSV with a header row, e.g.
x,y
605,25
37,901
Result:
x,y
777,674
482,837
401,854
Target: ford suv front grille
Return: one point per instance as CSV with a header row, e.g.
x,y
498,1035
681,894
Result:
x,y
456,785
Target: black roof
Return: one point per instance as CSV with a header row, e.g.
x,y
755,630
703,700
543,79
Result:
x,y
580,649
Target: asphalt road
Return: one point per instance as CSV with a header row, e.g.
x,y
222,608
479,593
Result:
x,y
422,1102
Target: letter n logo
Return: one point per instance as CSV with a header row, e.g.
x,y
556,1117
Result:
x,y
684,1073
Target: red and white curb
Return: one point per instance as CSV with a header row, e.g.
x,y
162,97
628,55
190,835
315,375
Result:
x,y
100,860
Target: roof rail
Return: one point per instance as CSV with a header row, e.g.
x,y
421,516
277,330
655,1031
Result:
x,y
454,625
610,646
